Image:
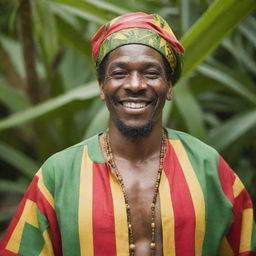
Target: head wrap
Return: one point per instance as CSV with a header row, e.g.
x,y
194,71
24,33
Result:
x,y
137,28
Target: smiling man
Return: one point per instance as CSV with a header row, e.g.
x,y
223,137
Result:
x,y
137,188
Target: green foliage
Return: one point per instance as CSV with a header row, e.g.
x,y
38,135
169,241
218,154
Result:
x,y
214,101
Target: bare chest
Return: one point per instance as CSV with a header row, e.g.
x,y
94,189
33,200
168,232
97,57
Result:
x,y
139,182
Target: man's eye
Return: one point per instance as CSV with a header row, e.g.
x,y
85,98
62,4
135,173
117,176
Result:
x,y
118,74
151,74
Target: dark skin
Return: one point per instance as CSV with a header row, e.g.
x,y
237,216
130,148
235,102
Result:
x,y
135,89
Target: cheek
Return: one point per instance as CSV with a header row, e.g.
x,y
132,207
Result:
x,y
162,90
111,86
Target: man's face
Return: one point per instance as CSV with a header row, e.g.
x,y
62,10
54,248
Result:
x,y
135,87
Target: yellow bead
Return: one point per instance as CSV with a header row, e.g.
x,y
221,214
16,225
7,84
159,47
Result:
x,y
129,226
152,245
132,247
153,225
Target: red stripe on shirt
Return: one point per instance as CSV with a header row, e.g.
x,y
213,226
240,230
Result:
x,y
242,202
7,253
103,213
247,254
184,214
45,207
227,179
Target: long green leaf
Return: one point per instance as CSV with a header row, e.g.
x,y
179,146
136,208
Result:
x,y
241,54
46,29
6,215
84,10
70,18
221,137
73,38
15,100
218,21
99,123
12,187
167,112
190,111
203,37
24,164
68,100
248,28
14,51
108,6
227,80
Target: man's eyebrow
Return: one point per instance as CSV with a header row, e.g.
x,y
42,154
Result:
x,y
146,65
152,65
118,64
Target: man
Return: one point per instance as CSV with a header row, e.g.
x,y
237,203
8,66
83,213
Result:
x,y
137,188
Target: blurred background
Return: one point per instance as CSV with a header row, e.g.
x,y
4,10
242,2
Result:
x,y
49,93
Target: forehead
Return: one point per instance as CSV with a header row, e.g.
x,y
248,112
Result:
x,y
135,54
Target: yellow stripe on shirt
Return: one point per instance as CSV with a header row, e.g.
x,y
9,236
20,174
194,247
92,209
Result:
x,y
225,248
47,249
85,205
246,230
167,217
237,186
196,194
29,215
44,189
121,229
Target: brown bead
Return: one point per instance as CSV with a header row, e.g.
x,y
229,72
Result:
x,y
132,247
152,205
153,245
129,225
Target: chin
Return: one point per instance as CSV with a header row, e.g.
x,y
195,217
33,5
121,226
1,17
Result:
x,y
135,131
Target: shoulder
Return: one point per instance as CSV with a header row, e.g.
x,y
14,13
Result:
x,y
64,166
65,156
192,145
74,153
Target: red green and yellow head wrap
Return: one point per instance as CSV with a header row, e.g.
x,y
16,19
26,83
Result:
x,y
137,28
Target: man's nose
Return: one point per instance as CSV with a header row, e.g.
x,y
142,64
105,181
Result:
x,y
135,82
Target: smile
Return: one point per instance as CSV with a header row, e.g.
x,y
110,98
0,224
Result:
x,y
134,105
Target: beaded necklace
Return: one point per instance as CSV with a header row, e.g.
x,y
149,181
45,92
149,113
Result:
x,y
111,162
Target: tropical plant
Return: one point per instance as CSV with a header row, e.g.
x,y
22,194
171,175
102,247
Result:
x,y
49,93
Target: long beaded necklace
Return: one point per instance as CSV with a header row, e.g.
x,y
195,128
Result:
x,y
111,162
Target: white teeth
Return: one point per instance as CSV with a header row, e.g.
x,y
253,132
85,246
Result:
x,y
134,105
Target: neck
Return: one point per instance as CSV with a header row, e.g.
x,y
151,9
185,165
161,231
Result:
x,y
128,147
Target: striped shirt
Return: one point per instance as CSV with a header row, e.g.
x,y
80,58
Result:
x,y
75,206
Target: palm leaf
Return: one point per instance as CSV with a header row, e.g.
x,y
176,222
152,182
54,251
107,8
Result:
x,y
217,22
23,163
51,106
224,135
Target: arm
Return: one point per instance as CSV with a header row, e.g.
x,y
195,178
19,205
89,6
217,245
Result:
x,y
34,228
240,240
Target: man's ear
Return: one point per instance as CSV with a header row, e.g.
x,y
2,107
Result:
x,y
102,94
169,92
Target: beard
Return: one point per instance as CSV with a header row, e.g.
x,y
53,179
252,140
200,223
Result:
x,y
137,131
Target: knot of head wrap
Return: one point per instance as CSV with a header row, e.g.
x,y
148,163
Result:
x,y
137,28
